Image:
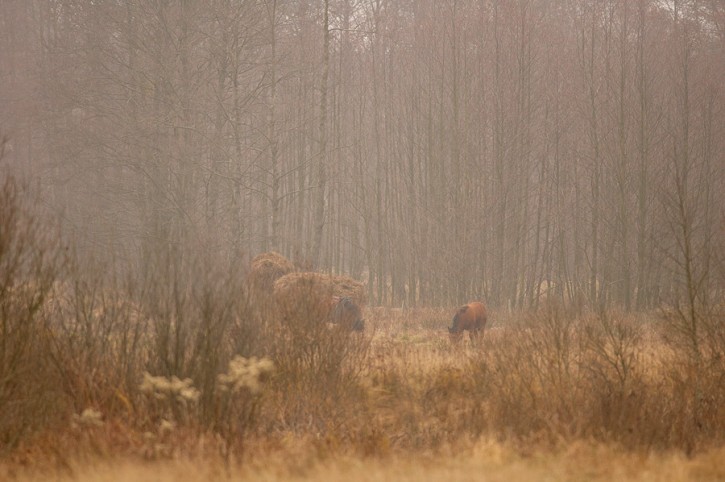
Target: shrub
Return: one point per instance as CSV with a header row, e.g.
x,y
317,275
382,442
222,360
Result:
x,y
319,365
29,266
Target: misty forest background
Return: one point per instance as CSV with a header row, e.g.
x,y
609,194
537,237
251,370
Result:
x,y
438,150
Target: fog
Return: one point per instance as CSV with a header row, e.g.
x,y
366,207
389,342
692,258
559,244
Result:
x,y
439,151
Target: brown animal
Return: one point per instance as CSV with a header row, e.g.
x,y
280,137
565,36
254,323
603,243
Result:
x,y
471,318
345,312
305,301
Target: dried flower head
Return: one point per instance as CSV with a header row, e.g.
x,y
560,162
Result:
x,y
166,426
89,418
245,373
162,388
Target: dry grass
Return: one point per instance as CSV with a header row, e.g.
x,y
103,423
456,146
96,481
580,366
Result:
x,y
484,460
542,398
178,365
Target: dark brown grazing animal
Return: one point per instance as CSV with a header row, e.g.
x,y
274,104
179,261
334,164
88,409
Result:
x,y
348,314
470,317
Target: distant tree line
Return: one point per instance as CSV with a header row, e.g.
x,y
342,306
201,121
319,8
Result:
x,y
438,150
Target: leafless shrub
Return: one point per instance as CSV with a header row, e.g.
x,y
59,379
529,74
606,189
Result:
x,y
29,265
97,323
319,365
694,332
612,373
197,308
613,341
547,351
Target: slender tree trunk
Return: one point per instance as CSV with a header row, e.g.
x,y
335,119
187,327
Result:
x,y
320,200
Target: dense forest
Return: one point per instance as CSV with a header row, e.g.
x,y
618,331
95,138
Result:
x,y
437,150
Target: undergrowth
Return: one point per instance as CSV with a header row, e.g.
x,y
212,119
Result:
x,y
177,359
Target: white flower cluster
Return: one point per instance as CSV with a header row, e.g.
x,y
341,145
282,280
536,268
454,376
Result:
x,y
162,388
245,373
166,426
89,418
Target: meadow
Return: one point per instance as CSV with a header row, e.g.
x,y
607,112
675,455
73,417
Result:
x,y
186,371
543,396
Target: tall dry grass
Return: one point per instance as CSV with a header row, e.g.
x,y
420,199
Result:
x,y
485,460
178,360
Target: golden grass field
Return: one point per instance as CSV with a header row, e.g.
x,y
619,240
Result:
x,y
522,405
483,461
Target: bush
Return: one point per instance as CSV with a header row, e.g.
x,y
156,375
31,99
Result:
x,y
319,365
29,266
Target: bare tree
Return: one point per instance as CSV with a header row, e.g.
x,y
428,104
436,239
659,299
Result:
x,y
443,152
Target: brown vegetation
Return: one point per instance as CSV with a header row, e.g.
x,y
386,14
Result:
x,y
326,284
173,365
563,161
266,269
